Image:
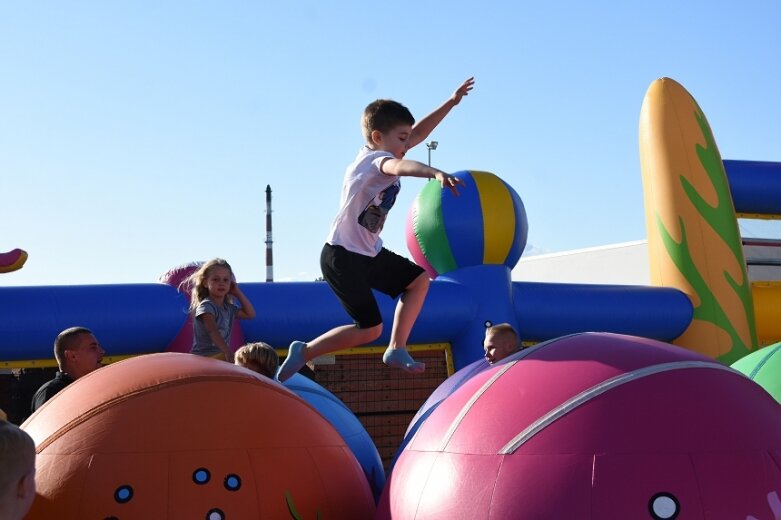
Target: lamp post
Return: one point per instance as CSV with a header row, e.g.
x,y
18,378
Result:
x,y
431,145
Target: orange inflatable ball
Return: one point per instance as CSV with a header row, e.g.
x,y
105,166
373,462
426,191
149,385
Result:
x,y
177,436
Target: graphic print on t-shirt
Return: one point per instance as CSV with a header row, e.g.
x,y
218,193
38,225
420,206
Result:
x,y
373,217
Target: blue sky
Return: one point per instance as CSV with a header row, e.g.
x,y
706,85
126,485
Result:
x,y
138,136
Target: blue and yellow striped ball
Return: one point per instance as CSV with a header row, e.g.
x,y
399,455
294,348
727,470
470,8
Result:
x,y
485,224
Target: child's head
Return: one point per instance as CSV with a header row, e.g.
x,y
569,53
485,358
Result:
x,y
213,278
383,115
17,471
500,341
258,357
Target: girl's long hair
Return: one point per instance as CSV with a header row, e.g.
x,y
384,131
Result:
x,y
198,281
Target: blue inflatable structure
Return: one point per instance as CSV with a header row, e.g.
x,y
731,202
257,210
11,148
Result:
x,y
470,242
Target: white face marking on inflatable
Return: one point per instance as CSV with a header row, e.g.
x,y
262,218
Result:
x,y
664,507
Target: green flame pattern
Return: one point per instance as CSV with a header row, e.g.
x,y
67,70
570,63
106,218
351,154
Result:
x,y
722,219
291,507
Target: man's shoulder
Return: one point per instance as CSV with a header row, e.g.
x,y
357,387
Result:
x,y
59,381
50,388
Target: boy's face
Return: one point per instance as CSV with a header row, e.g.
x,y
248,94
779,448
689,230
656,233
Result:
x,y
496,348
395,141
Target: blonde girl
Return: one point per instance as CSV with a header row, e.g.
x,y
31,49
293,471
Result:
x,y
213,308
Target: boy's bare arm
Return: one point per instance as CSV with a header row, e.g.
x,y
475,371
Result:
x,y
409,168
425,126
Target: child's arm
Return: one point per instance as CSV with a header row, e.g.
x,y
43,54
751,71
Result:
x,y
210,324
425,126
247,311
408,168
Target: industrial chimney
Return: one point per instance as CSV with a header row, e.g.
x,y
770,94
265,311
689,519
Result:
x,y
269,241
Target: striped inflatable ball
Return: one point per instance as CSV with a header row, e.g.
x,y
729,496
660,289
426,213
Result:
x,y
485,224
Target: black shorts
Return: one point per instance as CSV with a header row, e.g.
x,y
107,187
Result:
x,y
352,276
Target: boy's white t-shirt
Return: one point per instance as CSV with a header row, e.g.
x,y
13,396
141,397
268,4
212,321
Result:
x,y
367,196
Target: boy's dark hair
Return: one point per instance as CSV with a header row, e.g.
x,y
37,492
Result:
x,y
384,115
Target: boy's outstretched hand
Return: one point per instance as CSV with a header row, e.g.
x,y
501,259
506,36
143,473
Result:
x,y
463,90
449,181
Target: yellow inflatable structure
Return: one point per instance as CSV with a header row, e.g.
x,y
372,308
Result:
x,y
693,238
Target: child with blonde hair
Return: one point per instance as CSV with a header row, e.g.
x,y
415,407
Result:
x,y
17,471
212,305
259,357
500,341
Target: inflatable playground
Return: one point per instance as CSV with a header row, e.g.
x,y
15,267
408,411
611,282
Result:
x,y
656,402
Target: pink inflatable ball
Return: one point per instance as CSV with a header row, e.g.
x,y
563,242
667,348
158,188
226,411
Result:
x,y
595,426
448,386
177,436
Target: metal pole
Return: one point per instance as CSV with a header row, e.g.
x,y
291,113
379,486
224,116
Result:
x,y
269,241
431,145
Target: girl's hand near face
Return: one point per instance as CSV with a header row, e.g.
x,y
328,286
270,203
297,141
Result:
x,y
247,311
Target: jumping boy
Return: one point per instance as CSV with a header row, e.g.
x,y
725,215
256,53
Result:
x,y
353,260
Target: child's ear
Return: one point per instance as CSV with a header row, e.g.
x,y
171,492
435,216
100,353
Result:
x,y
376,136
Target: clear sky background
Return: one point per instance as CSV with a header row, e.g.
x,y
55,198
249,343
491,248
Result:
x,y
139,136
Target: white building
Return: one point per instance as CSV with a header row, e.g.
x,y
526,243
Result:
x,y
628,264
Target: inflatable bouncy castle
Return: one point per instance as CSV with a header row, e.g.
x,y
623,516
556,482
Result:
x,y
601,418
